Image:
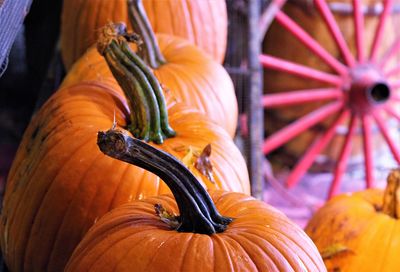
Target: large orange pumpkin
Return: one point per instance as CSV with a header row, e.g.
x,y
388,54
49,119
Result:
x,y
60,183
217,232
203,23
360,231
190,75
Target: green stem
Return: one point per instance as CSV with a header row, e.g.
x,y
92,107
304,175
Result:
x,y
156,86
198,213
136,102
149,116
141,24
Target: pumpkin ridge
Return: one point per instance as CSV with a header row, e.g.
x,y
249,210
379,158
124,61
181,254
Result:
x,y
36,213
236,244
96,21
286,250
195,98
172,15
50,132
277,228
388,247
272,257
67,210
150,261
40,162
221,101
70,53
95,263
221,247
123,177
184,94
185,250
214,32
81,9
118,263
192,11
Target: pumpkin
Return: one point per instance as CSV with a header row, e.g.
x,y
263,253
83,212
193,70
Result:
x,y
360,231
203,23
216,231
60,183
190,75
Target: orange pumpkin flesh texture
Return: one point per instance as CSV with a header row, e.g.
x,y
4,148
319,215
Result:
x,y
189,75
60,183
203,23
133,238
360,231
249,236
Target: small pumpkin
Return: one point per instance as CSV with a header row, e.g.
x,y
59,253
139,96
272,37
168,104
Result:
x,y
220,231
60,183
203,23
190,75
360,231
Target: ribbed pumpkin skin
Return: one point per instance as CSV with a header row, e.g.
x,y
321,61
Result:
x,y
60,183
203,23
133,238
190,75
372,238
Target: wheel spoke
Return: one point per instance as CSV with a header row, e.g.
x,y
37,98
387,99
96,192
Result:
x,y
367,149
298,70
380,29
299,97
343,158
386,135
318,145
292,130
392,112
359,29
393,72
268,16
309,42
395,84
392,51
335,31
395,97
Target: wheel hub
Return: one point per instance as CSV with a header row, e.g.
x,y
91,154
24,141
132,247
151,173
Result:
x,y
367,89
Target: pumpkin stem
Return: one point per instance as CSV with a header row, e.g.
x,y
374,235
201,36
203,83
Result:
x,y
149,116
391,196
198,213
141,24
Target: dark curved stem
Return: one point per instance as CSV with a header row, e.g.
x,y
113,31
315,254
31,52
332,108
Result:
x,y
141,24
198,213
149,116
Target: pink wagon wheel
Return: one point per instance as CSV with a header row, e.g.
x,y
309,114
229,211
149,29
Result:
x,y
362,90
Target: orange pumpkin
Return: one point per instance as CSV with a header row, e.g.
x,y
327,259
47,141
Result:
x,y
60,183
203,23
360,231
190,75
219,231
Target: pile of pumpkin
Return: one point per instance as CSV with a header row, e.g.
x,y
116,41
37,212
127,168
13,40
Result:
x,y
130,165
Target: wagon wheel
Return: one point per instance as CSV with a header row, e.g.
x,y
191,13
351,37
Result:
x,y
362,90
